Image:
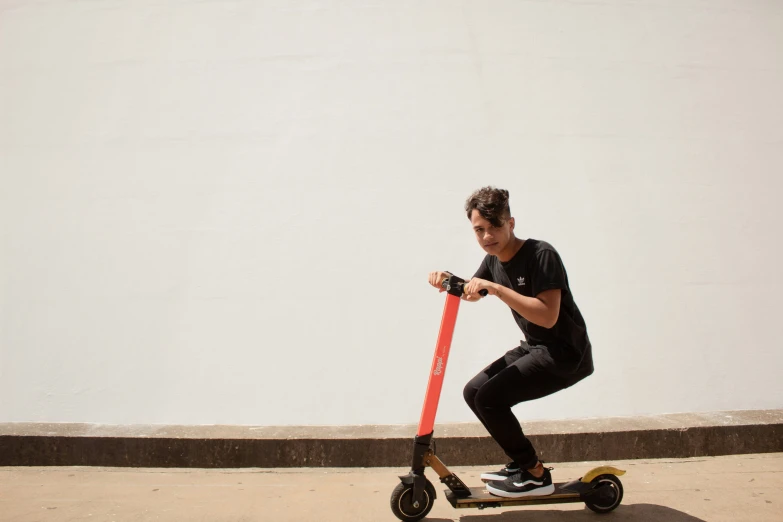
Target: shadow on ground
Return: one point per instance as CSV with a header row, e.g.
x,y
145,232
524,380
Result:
x,y
633,512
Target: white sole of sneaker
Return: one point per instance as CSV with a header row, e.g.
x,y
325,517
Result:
x,y
538,492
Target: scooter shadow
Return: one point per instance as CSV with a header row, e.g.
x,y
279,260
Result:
x,y
632,512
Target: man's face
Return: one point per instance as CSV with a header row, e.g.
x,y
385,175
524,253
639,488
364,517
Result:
x,y
492,239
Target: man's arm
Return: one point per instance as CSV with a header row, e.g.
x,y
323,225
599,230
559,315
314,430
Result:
x,y
543,310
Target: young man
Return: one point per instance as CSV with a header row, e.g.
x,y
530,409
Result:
x,y
527,275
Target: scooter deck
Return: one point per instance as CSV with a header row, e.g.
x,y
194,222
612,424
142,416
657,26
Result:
x,y
481,498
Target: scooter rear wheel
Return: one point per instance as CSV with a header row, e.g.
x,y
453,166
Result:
x,y
402,504
606,494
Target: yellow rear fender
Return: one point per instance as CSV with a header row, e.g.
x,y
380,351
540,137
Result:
x,y
603,470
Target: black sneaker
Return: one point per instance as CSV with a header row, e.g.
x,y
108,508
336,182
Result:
x,y
511,469
523,484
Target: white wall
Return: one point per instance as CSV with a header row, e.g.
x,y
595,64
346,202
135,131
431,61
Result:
x,y
225,212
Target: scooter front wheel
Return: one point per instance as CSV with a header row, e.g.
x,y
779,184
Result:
x,y
405,508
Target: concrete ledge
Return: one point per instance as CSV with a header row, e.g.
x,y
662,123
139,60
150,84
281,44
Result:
x,y
661,436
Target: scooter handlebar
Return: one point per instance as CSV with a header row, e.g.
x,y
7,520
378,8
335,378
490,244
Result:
x,y
455,286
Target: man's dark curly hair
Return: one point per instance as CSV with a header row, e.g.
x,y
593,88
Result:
x,y
491,203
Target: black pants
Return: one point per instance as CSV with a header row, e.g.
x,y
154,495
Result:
x,y
522,374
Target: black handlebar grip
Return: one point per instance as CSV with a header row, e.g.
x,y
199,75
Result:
x,y
484,292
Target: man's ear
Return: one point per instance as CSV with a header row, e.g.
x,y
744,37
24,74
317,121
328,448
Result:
x,y
511,223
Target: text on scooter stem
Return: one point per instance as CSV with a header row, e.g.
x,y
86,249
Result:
x,y
438,366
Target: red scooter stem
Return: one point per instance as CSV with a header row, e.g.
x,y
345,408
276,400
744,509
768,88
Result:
x,y
439,361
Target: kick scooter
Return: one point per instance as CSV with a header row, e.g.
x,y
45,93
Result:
x,y
412,499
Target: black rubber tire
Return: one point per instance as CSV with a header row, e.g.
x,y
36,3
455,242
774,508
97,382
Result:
x,y
606,481
402,505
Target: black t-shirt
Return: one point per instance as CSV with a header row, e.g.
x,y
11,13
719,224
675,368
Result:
x,y
534,268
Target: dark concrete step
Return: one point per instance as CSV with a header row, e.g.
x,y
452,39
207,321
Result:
x,y
660,436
